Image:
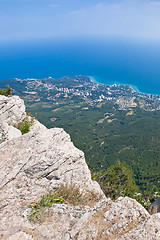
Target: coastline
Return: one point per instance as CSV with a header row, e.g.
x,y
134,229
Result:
x,y
135,88
102,59
98,80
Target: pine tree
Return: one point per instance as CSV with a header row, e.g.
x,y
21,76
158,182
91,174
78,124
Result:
x,y
7,91
118,181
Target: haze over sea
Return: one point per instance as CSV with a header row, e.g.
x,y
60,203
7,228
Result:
x,y
108,61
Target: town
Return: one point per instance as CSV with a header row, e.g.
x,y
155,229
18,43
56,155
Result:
x,y
84,89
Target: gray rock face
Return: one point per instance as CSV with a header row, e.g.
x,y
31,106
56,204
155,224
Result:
x,y
8,132
32,165
12,111
38,162
48,154
112,220
155,207
148,229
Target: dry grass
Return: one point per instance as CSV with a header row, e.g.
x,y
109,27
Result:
x,y
66,194
73,196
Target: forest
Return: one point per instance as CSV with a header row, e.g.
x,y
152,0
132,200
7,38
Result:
x,y
103,132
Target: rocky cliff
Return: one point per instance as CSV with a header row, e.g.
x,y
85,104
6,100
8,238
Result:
x,y
33,164
12,111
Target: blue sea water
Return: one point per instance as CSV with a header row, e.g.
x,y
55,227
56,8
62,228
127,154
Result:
x,y
108,61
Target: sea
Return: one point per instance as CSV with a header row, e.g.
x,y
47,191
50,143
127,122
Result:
x,y
107,61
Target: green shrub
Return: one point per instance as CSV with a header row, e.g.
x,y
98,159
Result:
x,y
25,125
67,194
118,181
38,208
6,92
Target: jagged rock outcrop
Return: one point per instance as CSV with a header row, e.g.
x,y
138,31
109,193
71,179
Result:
x,y
148,229
12,112
46,153
37,162
12,109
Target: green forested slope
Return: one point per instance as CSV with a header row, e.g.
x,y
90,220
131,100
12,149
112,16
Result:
x,y
103,132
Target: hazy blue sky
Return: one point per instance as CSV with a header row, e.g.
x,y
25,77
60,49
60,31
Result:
x,y
27,19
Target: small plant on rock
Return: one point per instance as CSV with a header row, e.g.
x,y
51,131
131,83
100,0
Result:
x,y
71,194
25,125
38,208
67,194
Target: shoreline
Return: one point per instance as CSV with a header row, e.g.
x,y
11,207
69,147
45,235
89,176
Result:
x,y
97,80
135,88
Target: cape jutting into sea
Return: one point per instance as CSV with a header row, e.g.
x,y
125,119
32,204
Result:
x,y
108,61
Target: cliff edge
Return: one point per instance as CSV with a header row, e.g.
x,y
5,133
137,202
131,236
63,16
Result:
x,y
42,160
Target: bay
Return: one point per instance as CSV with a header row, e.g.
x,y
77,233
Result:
x,y
108,61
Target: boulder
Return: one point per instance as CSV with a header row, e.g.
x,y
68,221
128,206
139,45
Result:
x,y
145,230
45,153
8,132
112,220
12,112
12,109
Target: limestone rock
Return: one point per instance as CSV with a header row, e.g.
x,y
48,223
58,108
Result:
x,y
20,236
35,163
91,225
111,221
8,132
49,154
124,219
124,214
12,111
36,126
32,165
146,230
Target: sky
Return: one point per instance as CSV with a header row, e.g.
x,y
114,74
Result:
x,y
38,19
